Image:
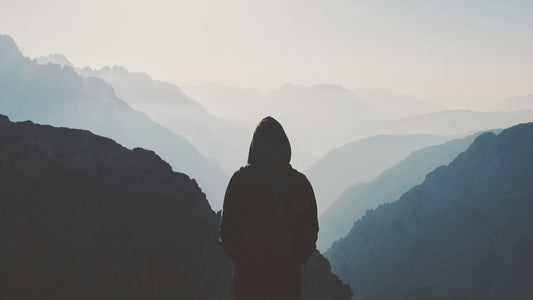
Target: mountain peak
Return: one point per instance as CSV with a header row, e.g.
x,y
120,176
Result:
x,y
117,68
56,59
10,52
8,46
314,87
3,119
327,86
114,71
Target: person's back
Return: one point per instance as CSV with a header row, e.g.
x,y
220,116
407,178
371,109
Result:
x,y
269,224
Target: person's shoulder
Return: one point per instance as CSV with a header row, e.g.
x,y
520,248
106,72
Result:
x,y
241,172
298,176
301,185
296,173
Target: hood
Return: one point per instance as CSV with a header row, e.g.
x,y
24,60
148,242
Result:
x,y
270,144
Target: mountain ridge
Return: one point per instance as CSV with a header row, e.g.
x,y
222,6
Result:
x,y
362,161
464,233
168,105
352,204
55,95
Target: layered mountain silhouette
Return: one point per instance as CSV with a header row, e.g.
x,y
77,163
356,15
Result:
x,y
305,113
465,233
167,105
338,219
84,218
55,95
376,103
362,160
323,117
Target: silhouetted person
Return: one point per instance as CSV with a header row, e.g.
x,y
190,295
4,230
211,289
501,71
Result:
x,y
269,224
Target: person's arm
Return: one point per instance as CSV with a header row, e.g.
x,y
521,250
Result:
x,y
309,221
230,237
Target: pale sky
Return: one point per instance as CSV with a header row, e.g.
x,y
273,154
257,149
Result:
x,y
441,50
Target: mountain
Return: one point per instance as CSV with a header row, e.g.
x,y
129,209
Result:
x,y
221,100
228,102
451,122
56,59
55,95
166,104
85,218
322,117
338,219
316,118
9,55
465,233
362,160
390,105
515,103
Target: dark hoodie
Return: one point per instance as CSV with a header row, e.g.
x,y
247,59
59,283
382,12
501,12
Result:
x,y
270,144
269,207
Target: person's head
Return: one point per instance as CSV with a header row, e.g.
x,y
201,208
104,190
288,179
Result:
x,y
270,144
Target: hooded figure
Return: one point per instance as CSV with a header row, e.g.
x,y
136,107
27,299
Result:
x,y
269,223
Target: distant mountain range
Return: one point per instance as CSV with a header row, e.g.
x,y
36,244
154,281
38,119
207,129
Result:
x,y
361,161
515,103
85,218
452,122
364,159
323,117
241,105
317,118
465,233
390,105
167,105
232,102
353,203
55,95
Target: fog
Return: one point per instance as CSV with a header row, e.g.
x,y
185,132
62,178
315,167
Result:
x,y
460,52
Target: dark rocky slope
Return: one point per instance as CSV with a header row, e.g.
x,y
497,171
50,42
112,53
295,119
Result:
x,y
338,219
82,217
465,233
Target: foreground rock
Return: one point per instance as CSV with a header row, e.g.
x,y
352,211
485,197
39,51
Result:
x,y
82,217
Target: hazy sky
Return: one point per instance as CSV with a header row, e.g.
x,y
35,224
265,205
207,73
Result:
x,y
436,50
